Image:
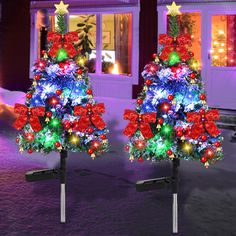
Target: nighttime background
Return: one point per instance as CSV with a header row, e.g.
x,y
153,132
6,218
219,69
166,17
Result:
x,y
101,197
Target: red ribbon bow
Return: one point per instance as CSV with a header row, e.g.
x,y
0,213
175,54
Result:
x,y
140,121
202,122
28,115
90,115
58,43
175,44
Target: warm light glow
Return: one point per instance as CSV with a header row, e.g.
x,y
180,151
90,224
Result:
x,y
96,145
221,32
140,144
74,139
41,64
115,70
187,147
29,136
195,65
81,61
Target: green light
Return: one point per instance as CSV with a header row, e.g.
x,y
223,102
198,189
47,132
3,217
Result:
x,y
61,54
55,123
158,146
179,97
174,58
66,92
166,130
50,140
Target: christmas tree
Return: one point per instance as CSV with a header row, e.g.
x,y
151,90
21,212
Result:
x,y
172,119
59,112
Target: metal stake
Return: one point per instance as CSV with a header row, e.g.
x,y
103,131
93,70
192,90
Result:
x,y
63,155
175,178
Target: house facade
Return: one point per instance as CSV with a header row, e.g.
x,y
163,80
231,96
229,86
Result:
x,y
113,61
213,32
123,37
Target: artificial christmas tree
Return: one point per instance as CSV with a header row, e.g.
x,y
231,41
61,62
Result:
x,y
60,113
172,120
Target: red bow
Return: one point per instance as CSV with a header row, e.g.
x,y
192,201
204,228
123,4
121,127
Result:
x,y
90,116
203,122
175,44
28,114
140,121
67,43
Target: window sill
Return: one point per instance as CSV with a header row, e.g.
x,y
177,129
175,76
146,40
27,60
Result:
x,y
112,77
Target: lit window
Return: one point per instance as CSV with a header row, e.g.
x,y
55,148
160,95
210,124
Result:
x,y
223,47
116,43
190,23
85,25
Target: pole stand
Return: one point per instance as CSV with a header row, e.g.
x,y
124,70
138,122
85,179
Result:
x,y
63,156
164,182
152,184
175,181
39,175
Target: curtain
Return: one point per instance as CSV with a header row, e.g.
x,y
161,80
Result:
x,y
231,40
123,42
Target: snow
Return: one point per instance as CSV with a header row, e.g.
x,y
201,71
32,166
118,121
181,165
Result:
x,y
101,198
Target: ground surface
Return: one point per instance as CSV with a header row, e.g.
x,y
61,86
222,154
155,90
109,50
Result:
x,y
101,196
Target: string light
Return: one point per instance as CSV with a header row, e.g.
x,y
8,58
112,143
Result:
x,y
74,139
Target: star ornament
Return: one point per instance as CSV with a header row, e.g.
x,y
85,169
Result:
x,y
61,8
173,9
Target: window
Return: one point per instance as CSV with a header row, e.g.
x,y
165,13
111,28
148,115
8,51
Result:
x,y
85,25
111,40
115,31
223,45
116,43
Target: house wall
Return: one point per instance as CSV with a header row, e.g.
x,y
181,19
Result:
x,y
15,41
14,44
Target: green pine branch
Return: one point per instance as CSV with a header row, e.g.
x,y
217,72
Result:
x,y
173,26
61,24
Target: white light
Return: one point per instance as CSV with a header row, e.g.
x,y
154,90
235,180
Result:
x,y
115,70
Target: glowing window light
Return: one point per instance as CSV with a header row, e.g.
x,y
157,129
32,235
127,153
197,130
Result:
x,y
115,70
221,32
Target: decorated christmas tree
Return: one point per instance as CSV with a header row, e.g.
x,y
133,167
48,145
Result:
x,y
59,112
172,119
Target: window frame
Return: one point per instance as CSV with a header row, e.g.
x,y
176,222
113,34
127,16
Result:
x,y
98,75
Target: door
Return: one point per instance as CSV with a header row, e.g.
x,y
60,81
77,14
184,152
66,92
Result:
x,y
221,63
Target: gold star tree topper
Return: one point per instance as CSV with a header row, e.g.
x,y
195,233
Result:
x,y
61,8
173,9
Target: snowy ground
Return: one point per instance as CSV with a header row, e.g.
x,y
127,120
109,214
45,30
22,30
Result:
x,y
101,196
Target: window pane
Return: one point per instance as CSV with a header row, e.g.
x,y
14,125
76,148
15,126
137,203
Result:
x,y
44,23
85,25
190,23
223,45
116,43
